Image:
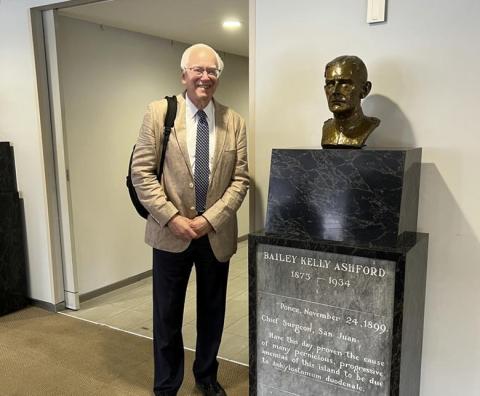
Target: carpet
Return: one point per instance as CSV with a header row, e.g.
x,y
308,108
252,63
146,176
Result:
x,y
42,353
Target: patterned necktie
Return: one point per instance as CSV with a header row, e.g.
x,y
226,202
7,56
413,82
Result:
x,y
202,169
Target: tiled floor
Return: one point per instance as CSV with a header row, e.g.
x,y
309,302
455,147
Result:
x,y
130,309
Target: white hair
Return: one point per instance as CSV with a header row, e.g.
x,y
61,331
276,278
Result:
x,y
188,51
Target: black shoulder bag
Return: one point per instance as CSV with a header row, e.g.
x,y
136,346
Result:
x,y
167,127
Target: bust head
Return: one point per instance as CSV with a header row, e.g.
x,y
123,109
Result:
x,y
346,85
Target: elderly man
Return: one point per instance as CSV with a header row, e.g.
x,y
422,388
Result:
x,y
346,84
192,218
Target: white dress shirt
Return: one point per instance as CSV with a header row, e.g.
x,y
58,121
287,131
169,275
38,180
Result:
x,y
191,124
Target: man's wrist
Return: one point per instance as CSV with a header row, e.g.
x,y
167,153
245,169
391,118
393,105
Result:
x,y
171,218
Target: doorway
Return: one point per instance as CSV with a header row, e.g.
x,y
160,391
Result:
x,y
107,75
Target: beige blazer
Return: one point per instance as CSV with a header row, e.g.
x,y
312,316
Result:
x,y
176,194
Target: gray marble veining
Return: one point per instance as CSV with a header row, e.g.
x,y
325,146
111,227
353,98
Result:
x,y
274,280
364,196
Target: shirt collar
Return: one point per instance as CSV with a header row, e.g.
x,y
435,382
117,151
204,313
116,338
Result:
x,y
191,109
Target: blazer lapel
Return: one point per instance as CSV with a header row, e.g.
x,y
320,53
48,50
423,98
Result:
x,y
180,131
221,132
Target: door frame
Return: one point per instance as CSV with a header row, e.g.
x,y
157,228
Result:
x,y
56,161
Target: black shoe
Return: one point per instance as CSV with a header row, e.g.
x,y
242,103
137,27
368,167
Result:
x,y
211,389
166,393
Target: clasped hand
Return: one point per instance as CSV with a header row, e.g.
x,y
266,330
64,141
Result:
x,y
189,229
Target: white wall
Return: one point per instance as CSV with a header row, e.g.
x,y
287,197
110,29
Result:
x,y
108,76
20,124
424,66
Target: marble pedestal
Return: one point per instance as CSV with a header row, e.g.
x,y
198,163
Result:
x,y
332,318
337,280
361,196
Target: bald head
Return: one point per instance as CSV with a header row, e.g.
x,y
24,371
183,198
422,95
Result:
x,y
346,85
350,64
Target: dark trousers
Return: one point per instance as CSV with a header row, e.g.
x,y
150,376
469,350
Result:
x,y
171,272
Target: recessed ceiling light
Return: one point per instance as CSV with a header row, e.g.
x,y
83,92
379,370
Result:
x,y
231,24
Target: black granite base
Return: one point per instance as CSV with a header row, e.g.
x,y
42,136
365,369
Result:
x,y
358,308
7,168
13,281
361,196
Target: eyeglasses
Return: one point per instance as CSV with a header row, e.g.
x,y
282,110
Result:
x,y
211,71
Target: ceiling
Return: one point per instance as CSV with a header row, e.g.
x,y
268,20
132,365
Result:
x,y
188,21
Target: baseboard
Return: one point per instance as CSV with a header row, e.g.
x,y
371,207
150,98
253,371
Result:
x,y
103,290
48,306
114,286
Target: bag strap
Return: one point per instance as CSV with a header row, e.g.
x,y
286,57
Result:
x,y
167,128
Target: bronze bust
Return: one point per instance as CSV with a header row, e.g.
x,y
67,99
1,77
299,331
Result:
x,y
346,84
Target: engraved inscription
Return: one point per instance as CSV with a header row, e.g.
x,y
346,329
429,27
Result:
x,y
324,323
